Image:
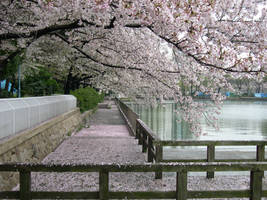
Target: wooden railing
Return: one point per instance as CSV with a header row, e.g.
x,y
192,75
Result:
x,y
211,153
129,116
255,191
154,146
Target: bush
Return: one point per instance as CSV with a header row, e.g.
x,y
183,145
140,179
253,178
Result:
x,y
5,94
101,97
87,98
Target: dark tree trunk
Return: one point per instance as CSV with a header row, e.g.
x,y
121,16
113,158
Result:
x,y
13,83
68,83
76,83
7,84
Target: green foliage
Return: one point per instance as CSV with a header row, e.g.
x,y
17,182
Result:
x,y
2,52
12,66
87,98
39,83
5,94
101,97
234,95
9,70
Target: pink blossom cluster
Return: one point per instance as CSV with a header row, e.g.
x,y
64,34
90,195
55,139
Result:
x,y
153,49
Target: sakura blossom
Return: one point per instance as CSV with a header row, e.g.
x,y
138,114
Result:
x,y
153,49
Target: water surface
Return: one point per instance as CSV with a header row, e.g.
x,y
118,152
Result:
x,y
239,120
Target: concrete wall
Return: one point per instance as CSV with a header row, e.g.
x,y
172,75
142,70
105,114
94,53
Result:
x,y
33,145
19,114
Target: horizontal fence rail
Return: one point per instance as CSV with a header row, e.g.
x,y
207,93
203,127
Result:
x,y
254,192
211,153
129,116
154,146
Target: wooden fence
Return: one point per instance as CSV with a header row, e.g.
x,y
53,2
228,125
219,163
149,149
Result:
x,y
154,146
255,191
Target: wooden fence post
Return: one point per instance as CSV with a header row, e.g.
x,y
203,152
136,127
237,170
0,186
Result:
x,y
159,158
260,152
137,130
133,119
140,135
149,152
144,142
256,184
103,185
181,185
210,158
25,185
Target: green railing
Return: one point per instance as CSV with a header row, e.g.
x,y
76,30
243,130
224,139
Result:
x,y
154,146
255,191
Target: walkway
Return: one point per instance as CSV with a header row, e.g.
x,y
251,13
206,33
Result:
x,y
107,141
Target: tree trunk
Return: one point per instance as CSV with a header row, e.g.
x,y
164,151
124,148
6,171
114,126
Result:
x,y
7,84
68,83
13,84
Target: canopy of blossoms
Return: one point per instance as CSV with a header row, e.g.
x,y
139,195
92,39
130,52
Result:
x,y
148,48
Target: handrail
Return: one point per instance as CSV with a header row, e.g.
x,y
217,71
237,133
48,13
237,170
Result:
x,y
149,132
129,115
211,142
255,192
211,153
144,167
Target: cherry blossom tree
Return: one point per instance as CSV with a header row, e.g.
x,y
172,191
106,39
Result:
x,y
150,48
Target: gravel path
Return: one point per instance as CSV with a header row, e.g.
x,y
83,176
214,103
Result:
x,y
107,141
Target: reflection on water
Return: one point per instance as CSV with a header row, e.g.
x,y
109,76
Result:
x,y
239,120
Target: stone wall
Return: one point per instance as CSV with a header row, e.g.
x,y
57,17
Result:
x,y
34,144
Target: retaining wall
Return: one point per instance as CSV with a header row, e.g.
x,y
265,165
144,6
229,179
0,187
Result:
x,y
34,144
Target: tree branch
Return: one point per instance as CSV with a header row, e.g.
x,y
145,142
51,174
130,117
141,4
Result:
x,y
106,64
111,24
38,33
41,32
244,41
199,61
94,60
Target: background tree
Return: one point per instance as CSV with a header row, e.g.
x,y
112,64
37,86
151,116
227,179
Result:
x,y
9,73
39,83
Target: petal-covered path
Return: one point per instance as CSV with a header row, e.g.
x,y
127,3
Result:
x,y
107,140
